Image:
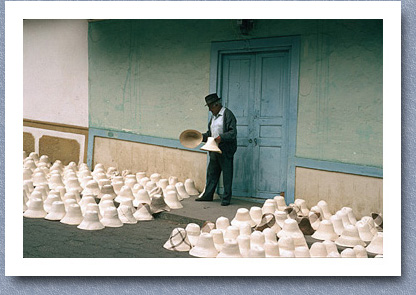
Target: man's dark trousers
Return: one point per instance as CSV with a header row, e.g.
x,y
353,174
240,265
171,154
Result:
x,y
217,163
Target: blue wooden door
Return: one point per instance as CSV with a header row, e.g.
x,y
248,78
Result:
x,y
255,86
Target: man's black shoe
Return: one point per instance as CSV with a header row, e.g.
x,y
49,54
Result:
x,y
225,203
203,200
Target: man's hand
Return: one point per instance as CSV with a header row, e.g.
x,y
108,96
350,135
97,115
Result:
x,y
218,139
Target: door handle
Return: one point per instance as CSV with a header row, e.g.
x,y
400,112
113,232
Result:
x,y
250,140
255,141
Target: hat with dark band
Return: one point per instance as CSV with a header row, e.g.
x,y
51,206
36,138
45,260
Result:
x,y
211,98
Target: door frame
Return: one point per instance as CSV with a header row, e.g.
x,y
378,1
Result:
x,y
292,44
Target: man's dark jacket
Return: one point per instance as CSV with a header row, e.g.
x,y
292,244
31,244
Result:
x,y
228,144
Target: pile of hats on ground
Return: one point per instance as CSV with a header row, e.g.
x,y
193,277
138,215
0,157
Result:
x,y
74,195
277,230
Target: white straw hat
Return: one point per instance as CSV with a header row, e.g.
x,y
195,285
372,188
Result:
x,y
350,215
257,238
364,231
330,246
218,238
88,199
318,249
349,237
325,231
141,197
104,204
256,252
107,189
360,251
180,188
117,185
178,241
245,229
271,249
140,175
222,223
90,221
256,213
204,247
91,188
94,207
158,204
243,242
190,138
150,185
325,209
334,255
130,180
348,253
344,217
143,213
55,180
110,218
73,215
125,194
337,223
280,202
243,216
376,245
163,183
190,187
301,203
270,235
35,209
291,229
230,249
27,174
286,247
73,184
207,227
53,196
143,181
156,191
302,252
318,211
232,232
314,220
171,199
57,211
39,178
268,207
126,215
280,216
211,146
68,202
194,231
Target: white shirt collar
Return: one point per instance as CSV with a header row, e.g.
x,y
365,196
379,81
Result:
x,y
220,113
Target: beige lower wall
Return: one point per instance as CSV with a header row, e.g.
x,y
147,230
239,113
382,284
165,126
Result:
x,y
363,194
151,159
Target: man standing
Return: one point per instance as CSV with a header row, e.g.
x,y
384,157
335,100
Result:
x,y
222,127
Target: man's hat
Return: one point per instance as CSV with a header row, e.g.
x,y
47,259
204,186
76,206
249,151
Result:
x,y
211,98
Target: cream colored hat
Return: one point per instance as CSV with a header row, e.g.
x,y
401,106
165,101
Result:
x,y
222,223
100,176
271,249
314,220
35,209
172,188
27,174
207,227
318,211
136,189
158,204
94,207
178,241
130,180
73,215
143,213
350,237
150,185
144,181
172,200
325,209
256,214
91,188
291,229
173,180
330,246
280,216
194,231
104,204
43,190
371,223
117,185
103,181
218,238
348,253
270,235
85,201
337,223
126,215
318,249
68,202
57,211
73,184
163,183
55,180
125,194
29,185
39,178
257,238
286,247
107,189
204,247
245,229
141,197
190,187
243,242
155,191
243,216
280,202
140,175
268,207
110,218
53,196
232,232
211,146
155,177
325,231
350,215
91,221
334,255
230,249
364,231
301,203
376,245
302,252
180,188
190,138
344,217
256,252
360,251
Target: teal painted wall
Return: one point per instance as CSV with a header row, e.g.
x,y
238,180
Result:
x,y
149,77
